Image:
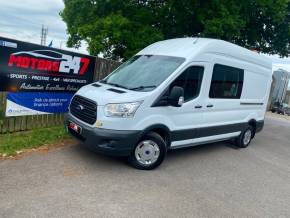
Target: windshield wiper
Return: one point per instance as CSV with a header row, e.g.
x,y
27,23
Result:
x,y
117,85
142,87
113,84
124,87
103,81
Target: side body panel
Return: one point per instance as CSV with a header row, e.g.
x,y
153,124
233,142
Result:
x,y
253,100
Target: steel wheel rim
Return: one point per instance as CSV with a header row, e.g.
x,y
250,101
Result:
x,y
147,152
247,137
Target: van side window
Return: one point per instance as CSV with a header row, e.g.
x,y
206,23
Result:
x,y
227,82
190,80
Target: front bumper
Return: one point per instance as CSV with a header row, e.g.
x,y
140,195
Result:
x,y
106,141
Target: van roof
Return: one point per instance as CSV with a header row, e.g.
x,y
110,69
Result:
x,y
190,48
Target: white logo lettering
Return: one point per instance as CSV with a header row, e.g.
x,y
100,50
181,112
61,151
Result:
x,y
71,63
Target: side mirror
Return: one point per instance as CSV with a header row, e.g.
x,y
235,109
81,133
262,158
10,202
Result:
x,y
176,96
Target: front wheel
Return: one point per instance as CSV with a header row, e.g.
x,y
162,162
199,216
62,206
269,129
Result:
x,y
245,137
149,152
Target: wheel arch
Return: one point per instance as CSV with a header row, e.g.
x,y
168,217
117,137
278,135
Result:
x,y
253,123
160,129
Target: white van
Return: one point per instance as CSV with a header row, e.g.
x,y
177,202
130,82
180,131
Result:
x,y
174,94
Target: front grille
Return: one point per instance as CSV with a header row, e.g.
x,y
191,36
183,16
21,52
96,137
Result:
x,y
84,109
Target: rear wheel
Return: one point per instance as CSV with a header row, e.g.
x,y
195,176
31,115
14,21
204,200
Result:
x,y
149,152
245,137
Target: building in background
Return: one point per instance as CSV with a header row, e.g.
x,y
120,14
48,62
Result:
x,y
280,85
287,98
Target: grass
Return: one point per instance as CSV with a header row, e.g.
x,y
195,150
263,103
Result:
x,y
1,115
11,144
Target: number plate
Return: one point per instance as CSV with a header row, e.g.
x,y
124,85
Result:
x,y
75,127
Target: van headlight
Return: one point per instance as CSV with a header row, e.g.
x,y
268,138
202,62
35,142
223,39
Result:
x,y
122,109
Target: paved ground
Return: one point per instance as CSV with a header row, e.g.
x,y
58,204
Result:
x,y
209,181
280,116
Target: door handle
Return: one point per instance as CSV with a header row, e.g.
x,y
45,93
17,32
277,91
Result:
x,y
198,106
209,105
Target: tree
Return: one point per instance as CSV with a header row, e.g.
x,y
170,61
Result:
x,y
119,28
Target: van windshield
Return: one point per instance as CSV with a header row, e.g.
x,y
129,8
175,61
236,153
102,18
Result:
x,y
143,72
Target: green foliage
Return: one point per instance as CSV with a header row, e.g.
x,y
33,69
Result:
x,y
2,115
119,28
10,144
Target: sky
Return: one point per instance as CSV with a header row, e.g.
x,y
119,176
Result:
x,y
22,20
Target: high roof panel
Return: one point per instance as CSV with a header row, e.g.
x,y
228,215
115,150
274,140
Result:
x,y
190,48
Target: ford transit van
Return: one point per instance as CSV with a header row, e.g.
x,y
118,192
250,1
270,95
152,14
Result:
x,y
173,94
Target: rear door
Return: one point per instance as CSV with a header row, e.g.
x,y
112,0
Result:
x,y
222,109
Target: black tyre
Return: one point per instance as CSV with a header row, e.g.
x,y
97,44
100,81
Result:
x,y
149,152
245,137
